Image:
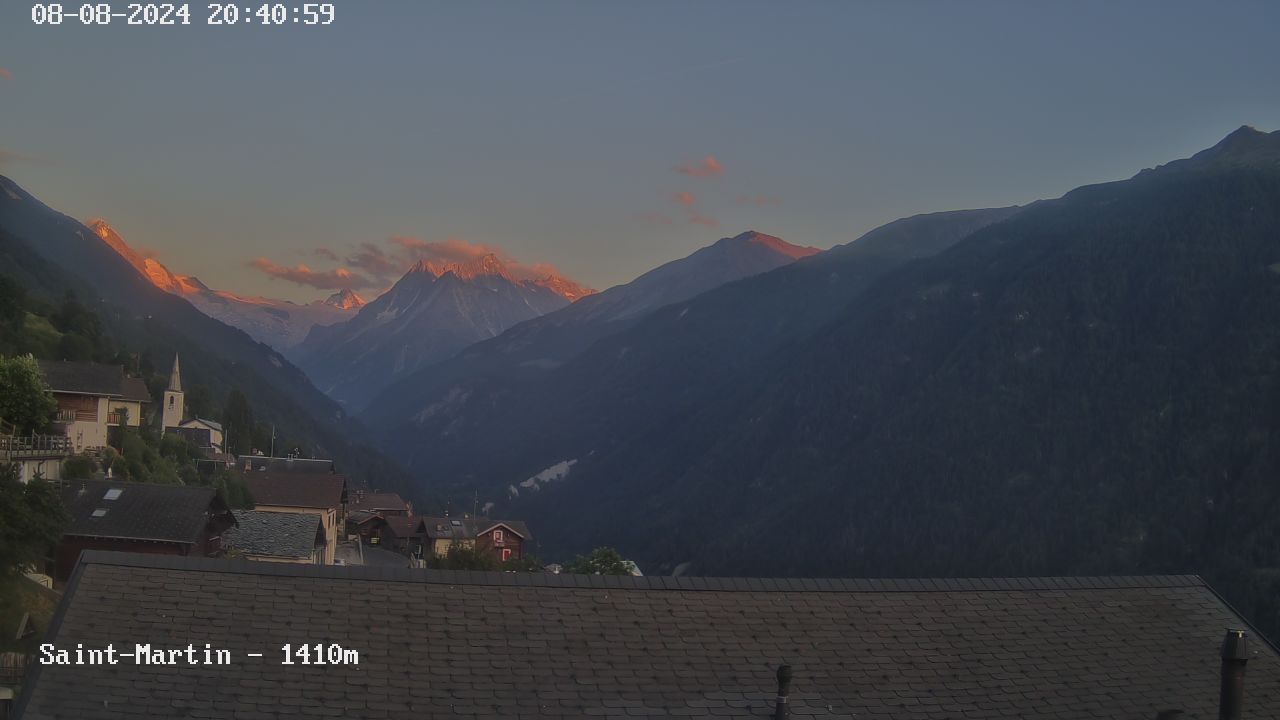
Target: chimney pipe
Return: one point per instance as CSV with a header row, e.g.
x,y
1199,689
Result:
x,y
781,710
1235,653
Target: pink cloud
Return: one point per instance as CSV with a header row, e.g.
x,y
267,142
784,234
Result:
x,y
685,198
706,167
758,200
336,279
6,74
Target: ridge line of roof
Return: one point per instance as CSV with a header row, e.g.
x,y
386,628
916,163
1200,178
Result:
x,y
718,584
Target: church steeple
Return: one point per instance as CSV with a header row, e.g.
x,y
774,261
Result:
x,y
175,405
175,377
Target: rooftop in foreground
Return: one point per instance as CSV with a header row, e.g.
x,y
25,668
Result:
x,y
504,645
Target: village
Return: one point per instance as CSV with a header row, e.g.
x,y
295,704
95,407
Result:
x,y
302,510
284,552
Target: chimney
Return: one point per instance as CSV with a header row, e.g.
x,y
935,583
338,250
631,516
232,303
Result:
x,y
1235,653
781,711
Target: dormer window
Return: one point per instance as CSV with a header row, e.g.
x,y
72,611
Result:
x,y
113,494
100,512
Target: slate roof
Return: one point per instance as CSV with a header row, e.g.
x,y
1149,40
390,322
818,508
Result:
x,y
570,646
142,511
274,534
84,378
295,489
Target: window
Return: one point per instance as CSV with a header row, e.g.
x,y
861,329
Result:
x,y
497,537
100,512
170,401
506,554
113,494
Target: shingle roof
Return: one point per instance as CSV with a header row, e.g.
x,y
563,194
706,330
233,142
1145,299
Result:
x,y
568,646
295,489
92,379
140,511
275,534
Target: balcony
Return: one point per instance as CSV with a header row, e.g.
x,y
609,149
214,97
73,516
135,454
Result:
x,y
65,415
34,447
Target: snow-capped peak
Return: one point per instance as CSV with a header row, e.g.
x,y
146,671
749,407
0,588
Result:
x,y
345,299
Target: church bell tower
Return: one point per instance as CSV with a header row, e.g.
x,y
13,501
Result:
x,y
174,404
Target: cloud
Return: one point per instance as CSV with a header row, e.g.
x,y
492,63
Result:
x,y
5,74
685,198
375,261
706,167
325,253
336,279
697,218
758,200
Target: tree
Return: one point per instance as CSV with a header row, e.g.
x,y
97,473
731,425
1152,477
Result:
x,y
601,561
237,420
33,520
25,401
78,467
528,563
465,557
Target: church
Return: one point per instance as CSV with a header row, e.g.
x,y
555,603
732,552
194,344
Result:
x,y
204,433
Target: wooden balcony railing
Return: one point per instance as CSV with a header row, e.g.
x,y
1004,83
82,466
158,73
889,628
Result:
x,y
34,446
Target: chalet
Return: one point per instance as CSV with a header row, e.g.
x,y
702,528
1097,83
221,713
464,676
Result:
x,y
293,490
139,517
276,537
205,434
92,399
370,527
506,645
506,538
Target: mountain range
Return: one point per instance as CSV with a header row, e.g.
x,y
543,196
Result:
x,y
1084,385
434,310
278,323
51,254
526,351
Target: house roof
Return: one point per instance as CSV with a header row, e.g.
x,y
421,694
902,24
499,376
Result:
x,y
402,525
379,501
135,389
295,489
454,528
275,534
84,378
212,425
139,511
432,646
306,466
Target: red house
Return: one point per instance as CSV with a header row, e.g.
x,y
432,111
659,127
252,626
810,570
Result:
x,y
505,538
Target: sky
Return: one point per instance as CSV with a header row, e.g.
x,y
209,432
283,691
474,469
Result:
x,y
601,138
